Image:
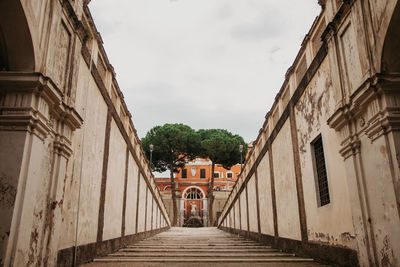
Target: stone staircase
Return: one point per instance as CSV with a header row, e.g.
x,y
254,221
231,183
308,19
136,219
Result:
x,y
200,247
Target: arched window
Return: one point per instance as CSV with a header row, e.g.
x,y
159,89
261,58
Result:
x,y
193,193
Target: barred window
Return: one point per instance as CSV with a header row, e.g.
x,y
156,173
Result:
x,y
320,170
184,173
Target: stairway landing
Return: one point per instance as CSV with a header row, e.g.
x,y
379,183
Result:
x,y
200,247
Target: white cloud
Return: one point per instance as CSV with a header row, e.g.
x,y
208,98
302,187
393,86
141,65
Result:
x,y
208,63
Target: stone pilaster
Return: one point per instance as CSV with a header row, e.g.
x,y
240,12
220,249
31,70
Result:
x,y
36,128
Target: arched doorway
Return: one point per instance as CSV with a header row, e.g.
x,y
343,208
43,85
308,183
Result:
x,y
390,54
16,46
16,59
193,198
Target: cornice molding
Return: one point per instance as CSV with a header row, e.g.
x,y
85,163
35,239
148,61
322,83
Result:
x,y
32,102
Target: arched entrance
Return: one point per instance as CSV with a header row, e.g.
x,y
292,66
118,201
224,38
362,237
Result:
x,y
390,53
193,200
17,59
16,46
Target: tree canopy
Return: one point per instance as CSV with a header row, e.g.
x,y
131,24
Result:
x,y
173,143
176,144
221,147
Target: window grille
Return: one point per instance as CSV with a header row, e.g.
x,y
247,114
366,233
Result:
x,y
193,193
184,173
323,189
202,173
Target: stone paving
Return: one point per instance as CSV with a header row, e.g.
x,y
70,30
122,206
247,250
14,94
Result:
x,y
200,247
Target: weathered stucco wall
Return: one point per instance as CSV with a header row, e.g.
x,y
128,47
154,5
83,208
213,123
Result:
x,y
252,212
312,111
89,182
70,156
287,207
115,184
243,211
341,96
131,200
142,206
237,218
265,195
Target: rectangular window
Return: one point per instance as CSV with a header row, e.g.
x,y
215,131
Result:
x,y
320,170
229,175
184,173
216,175
202,173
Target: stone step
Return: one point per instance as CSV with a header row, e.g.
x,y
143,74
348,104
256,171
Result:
x,y
199,243
199,238
202,254
197,250
198,247
194,260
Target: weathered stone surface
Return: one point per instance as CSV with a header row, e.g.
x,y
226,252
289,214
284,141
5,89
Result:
x,y
63,125
341,90
199,247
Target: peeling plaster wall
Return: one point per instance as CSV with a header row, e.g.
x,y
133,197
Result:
x,y
382,203
12,143
28,239
344,90
312,111
65,137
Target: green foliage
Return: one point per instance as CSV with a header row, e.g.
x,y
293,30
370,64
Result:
x,y
173,144
221,147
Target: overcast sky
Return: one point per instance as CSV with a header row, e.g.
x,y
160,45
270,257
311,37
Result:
x,y
204,63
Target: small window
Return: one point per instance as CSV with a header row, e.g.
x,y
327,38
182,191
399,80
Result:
x,y
202,173
184,173
320,170
216,175
229,175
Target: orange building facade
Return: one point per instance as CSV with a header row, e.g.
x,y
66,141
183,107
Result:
x,y
192,187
